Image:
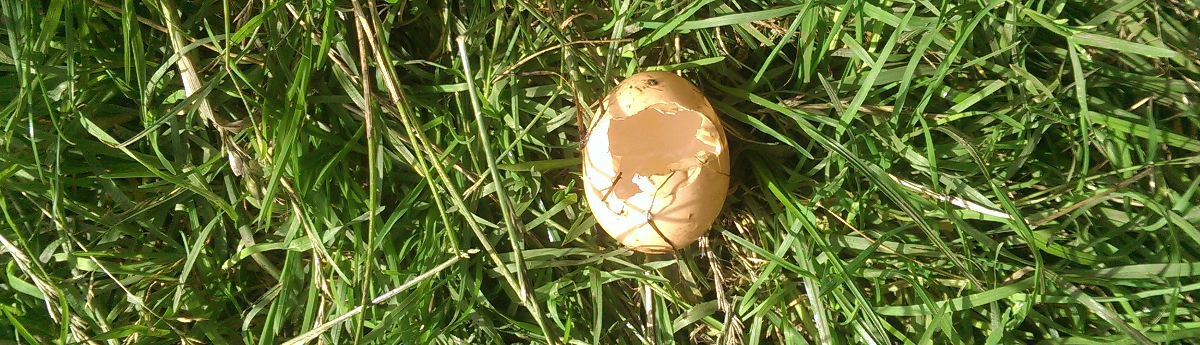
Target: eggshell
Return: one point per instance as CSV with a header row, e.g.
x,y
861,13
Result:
x,y
655,163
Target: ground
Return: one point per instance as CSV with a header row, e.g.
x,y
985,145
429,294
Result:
x,y
408,172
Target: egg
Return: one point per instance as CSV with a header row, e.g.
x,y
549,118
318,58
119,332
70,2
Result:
x,y
655,163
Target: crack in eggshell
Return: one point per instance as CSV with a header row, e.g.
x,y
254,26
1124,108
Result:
x,y
646,148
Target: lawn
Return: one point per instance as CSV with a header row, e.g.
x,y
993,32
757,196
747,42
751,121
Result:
x,y
408,172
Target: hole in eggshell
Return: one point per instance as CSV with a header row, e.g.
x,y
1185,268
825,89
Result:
x,y
663,138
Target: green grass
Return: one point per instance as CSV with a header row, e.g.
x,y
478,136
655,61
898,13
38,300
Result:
x,y
360,171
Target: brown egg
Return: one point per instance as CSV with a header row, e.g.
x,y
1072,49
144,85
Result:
x,y
655,163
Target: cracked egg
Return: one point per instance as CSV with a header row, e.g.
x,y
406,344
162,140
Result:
x,y
655,163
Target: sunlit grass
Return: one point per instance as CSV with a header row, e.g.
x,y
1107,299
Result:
x,y
396,173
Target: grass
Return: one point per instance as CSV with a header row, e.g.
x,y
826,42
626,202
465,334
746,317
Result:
x,y
364,171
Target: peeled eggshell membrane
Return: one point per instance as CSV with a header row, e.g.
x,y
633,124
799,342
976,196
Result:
x,y
655,163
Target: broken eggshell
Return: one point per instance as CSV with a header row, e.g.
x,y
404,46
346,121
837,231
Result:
x,y
655,163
